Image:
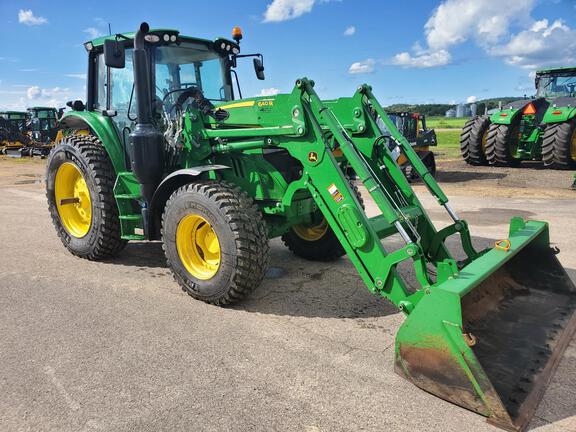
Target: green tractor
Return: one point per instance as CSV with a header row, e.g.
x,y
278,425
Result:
x,y
43,126
165,148
542,128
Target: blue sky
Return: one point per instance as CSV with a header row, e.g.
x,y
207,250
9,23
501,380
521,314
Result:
x,y
410,52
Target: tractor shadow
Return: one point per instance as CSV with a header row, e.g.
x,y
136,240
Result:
x,y
296,287
451,176
141,254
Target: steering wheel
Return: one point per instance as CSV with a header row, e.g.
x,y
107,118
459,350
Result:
x,y
185,94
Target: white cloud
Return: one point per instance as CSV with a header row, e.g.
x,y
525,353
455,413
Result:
x,y
471,99
27,70
349,31
33,92
543,44
55,96
283,10
423,59
27,17
455,21
93,32
487,23
362,67
77,75
271,91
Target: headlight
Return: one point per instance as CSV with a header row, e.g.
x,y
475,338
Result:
x,y
166,37
152,38
173,38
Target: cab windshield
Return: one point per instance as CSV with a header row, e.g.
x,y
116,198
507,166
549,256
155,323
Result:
x,y
178,68
557,85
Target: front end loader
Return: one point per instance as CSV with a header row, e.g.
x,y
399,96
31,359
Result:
x,y
172,152
541,128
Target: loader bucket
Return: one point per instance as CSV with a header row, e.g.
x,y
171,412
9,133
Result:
x,y
490,338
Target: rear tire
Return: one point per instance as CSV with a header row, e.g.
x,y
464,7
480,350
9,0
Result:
x,y
325,248
499,144
559,145
103,237
242,247
473,140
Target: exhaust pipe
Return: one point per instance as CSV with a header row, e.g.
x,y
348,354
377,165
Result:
x,y
146,142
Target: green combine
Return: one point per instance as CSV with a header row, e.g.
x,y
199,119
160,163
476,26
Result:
x,y
165,148
543,128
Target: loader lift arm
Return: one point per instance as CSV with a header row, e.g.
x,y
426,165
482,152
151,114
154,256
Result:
x,y
401,212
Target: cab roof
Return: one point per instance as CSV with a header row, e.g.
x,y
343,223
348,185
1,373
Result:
x,y
560,69
130,35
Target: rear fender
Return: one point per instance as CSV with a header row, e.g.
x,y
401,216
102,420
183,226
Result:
x,y
103,128
514,109
560,110
505,116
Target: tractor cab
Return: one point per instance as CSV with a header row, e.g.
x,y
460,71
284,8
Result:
x,y
43,123
16,119
180,69
555,83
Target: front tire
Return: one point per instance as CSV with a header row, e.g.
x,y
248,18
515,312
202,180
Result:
x,y
215,241
79,183
559,145
501,143
473,139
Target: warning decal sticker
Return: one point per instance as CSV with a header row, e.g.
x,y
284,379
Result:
x,y
338,197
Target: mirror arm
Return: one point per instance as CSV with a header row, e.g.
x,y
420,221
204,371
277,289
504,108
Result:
x,y
232,71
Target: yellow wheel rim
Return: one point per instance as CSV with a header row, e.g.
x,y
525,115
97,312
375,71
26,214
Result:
x,y
73,200
198,247
484,141
573,146
311,233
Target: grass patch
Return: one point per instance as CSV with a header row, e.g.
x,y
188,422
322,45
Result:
x,y
445,123
448,144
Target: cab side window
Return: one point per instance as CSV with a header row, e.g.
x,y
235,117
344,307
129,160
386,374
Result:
x,y
122,83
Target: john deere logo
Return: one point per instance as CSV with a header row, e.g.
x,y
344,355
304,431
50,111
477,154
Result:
x,y
312,156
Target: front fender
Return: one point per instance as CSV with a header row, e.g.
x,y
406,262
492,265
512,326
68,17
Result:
x,y
104,129
172,182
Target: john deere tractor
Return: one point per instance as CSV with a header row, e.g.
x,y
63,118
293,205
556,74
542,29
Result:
x,y
43,125
165,148
542,128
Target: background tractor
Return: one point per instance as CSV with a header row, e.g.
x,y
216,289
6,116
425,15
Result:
x,y
43,127
165,149
13,132
542,128
413,127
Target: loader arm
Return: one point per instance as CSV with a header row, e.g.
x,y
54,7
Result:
x,y
483,333
401,211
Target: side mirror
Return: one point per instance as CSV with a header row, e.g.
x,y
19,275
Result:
x,y
259,68
114,54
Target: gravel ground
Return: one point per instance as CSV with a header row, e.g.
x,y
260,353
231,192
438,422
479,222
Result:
x,y
117,346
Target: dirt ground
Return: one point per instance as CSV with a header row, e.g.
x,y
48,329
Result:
x,y
531,179
117,346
